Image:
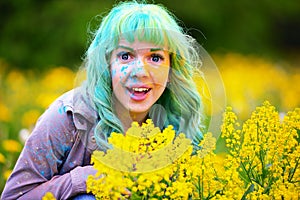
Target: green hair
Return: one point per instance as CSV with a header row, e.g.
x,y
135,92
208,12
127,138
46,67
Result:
x,y
180,105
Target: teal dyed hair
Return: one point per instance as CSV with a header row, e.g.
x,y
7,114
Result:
x,y
180,104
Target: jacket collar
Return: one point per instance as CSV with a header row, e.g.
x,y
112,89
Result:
x,y
78,102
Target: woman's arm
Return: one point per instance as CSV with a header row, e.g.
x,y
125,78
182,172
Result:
x,y
38,169
61,186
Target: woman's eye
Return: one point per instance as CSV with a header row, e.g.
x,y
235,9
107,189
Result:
x,y
124,56
156,58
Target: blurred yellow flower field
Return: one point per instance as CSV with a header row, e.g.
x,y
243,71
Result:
x,y
24,95
249,81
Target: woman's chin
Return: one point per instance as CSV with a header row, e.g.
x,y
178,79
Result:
x,y
138,110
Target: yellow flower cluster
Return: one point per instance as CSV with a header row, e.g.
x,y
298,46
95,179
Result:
x,y
267,152
145,163
149,164
11,146
141,163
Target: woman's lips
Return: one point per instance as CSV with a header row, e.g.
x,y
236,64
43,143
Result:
x,y
139,93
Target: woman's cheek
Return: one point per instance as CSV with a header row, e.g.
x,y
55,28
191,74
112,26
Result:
x,y
160,75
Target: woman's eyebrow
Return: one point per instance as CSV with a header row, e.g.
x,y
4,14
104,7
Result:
x,y
125,47
156,49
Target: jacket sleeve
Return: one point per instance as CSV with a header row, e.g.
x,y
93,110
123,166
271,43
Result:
x,y
37,170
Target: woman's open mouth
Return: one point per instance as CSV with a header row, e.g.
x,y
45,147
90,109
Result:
x,y
139,93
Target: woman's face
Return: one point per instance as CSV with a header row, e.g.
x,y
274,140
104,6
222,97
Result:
x,y
140,72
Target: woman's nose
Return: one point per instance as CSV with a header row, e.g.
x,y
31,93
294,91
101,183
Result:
x,y
139,69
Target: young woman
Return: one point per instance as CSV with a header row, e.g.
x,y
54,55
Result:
x,y
139,65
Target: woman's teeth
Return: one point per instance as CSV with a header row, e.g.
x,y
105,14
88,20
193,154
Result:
x,y
140,89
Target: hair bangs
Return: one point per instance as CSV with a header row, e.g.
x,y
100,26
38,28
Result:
x,y
143,27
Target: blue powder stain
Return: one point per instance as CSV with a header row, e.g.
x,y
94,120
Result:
x,y
139,69
71,165
114,72
61,110
123,68
65,109
66,148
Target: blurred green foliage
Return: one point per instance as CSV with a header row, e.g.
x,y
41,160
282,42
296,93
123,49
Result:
x,y
39,34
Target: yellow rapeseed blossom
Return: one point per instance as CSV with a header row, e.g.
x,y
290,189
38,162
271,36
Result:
x,y
267,156
5,114
2,158
44,99
6,174
58,79
29,118
263,161
248,80
48,196
54,83
11,146
16,80
183,175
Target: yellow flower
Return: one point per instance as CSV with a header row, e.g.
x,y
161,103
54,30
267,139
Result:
x,y
249,79
48,196
58,79
263,161
6,174
5,113
44,99
2,158
11,145
30,118
16,80
269,152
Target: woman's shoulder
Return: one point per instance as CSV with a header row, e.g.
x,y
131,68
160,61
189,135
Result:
x,y
73,108
63,120
77,103
56,118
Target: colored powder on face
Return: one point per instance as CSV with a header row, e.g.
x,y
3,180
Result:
x,y
123,68
113,73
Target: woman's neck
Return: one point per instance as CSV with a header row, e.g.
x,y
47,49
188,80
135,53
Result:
x,y
127,117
